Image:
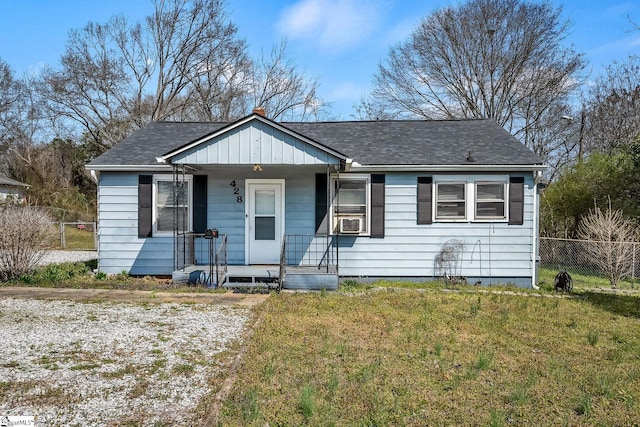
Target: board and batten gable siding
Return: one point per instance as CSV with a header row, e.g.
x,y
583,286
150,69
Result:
x,y
492,250
255,143
119,247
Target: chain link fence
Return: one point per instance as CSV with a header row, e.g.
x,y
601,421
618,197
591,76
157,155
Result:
x,y
79,236
614,261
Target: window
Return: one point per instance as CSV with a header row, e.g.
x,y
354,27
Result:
x,y
490,200
350,205
167,203
450,200
458,198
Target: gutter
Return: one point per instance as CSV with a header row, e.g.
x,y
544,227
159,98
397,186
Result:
x,y
447,168
129,168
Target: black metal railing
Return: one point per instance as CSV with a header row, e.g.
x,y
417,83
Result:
x,y
191,249
283,263
319,252
195,249
221,261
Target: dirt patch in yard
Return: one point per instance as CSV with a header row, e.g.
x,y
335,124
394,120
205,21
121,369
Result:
x,y
224,298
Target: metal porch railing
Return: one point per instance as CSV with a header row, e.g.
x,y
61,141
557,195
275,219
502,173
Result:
x,y
221,261
194,249
314,252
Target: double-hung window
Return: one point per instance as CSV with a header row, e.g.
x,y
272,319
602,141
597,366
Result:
x,y
451,201
350,205
490,200
171,200
459,199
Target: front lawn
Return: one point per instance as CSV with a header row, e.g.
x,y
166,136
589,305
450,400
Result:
x,y
546,278
429,357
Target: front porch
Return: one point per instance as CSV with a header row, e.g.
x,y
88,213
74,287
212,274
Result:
x,y
306,263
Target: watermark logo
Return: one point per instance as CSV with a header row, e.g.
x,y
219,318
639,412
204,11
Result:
x,y
20,421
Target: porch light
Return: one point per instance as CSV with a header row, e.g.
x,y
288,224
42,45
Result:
x,y
257,167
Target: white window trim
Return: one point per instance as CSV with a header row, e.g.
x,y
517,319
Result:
x,y
470,197
505,192
154,210
466,201
333,217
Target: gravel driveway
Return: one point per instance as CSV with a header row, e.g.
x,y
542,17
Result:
x,y
111,363
55,257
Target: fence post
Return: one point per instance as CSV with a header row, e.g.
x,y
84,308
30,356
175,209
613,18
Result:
x,y
63,242
95,235
633,264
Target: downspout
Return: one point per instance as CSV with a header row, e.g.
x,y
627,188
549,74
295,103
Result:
x,y
536,232
94,176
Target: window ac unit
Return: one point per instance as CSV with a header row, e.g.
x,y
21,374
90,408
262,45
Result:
x,y
350,225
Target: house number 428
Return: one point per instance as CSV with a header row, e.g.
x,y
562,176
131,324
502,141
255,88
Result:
x,y
236,191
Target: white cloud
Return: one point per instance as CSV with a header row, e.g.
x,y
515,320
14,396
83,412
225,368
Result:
x,y
331,25
625,45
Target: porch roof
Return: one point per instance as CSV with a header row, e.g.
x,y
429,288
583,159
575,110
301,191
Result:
x,y
465,143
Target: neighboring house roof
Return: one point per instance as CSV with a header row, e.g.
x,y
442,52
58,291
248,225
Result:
x,y
8,182
401,142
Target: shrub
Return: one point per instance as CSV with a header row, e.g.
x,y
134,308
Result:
x,y
26,234
54,273
610,235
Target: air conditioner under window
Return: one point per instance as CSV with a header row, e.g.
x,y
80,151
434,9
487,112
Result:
x,y
350,225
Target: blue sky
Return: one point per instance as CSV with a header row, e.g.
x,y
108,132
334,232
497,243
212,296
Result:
x,y
339,41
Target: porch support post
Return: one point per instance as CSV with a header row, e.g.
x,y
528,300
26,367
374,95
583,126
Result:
x,y
329,208
338,228
175,218
179,179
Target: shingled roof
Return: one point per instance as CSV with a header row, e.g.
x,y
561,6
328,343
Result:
x,y
8,182
402,142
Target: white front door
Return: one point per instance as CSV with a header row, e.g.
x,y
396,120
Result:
x,y
264,220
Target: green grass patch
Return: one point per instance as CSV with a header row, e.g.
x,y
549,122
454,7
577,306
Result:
x,y
79,275
79,238
546,277
429,358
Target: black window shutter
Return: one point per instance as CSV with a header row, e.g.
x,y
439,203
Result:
x,y
425,211
377,206
321,203
145,187
199,203
516,200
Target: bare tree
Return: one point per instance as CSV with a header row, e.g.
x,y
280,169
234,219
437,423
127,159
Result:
x,y
26,234
499,59
119,76
282,90
611,237
9,98
613,108
184,62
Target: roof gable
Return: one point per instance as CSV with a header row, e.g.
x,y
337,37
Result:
x,y
251,140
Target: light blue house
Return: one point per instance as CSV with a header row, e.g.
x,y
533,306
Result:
x,y
378,199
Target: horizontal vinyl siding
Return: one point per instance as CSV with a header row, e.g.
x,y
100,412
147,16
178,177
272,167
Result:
x,y
226,214
490,249
119,247
300,205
